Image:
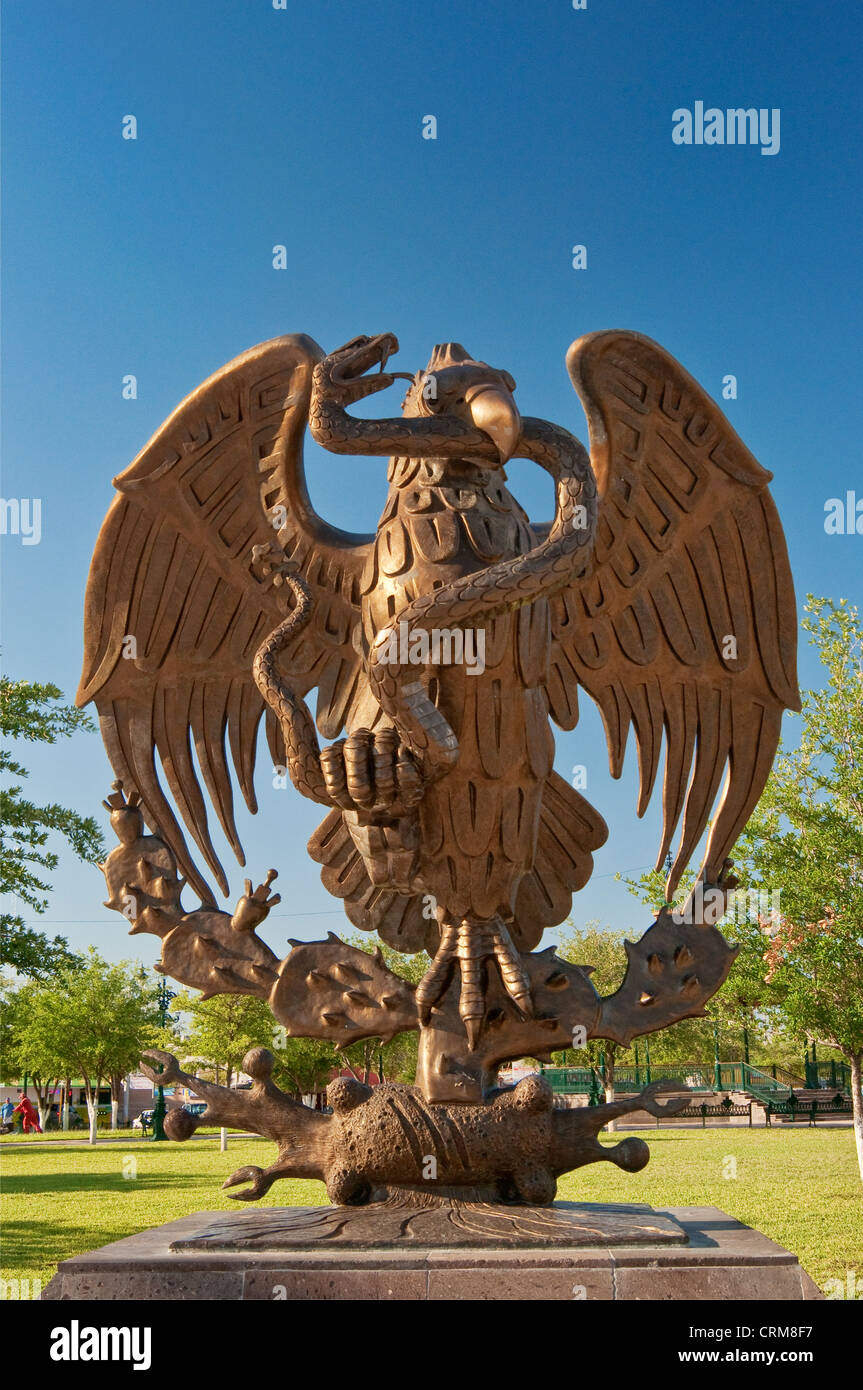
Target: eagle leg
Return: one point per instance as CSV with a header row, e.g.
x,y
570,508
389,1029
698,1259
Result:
x,y
470,944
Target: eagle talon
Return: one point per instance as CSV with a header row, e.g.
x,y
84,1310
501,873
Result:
x,y
469,946
372,773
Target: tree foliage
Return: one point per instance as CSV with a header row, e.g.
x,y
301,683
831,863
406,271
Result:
x,y
226,1026
92,1020
35,713
799,974
806,839
602,949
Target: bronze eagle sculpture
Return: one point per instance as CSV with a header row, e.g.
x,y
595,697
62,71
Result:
x,y
661,587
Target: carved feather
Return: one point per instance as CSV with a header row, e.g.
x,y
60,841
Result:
x,y
172,570
684,625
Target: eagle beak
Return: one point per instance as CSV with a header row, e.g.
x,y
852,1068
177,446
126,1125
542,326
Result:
x,y
493,410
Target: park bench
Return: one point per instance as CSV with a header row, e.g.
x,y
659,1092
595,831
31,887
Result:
x,y
812,1110
724,1109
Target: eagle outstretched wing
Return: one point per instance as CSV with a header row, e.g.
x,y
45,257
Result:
x,y
176,607
684,624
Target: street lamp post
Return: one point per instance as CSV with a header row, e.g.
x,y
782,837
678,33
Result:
x,y
164,996
594,1094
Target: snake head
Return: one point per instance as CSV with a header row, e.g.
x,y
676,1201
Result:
x,y
341,376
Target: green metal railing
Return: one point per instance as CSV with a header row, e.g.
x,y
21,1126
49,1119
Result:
x,y
570,1081
693,1076
741,1076
579,1080
833,1076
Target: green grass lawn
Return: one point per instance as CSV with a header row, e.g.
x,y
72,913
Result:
x,y
81,1136
63,1134
799,1187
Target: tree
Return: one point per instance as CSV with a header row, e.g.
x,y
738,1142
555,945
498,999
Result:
x,y
38,1059
304,1066
93,1022
805,839
799,972
603,949
224,1028
10,1068
34,713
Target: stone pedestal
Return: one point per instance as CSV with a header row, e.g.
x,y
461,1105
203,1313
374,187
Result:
x,y
451,1251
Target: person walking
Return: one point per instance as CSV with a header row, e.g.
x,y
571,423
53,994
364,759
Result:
x,y
29,1118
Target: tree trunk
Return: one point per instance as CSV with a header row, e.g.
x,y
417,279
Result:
x,y
116,1091
608,1084
92,1107
43,1103
346,1063
856,1059
67,1101
297,1091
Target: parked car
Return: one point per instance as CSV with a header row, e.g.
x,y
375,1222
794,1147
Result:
x,y
145,1119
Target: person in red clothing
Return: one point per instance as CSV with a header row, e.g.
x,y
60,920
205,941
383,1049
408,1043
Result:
x,y
29,1118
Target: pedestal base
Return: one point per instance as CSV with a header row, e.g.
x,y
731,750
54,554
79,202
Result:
x,y
455,1251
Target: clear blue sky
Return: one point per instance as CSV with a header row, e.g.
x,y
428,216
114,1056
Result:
x,y
303,127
